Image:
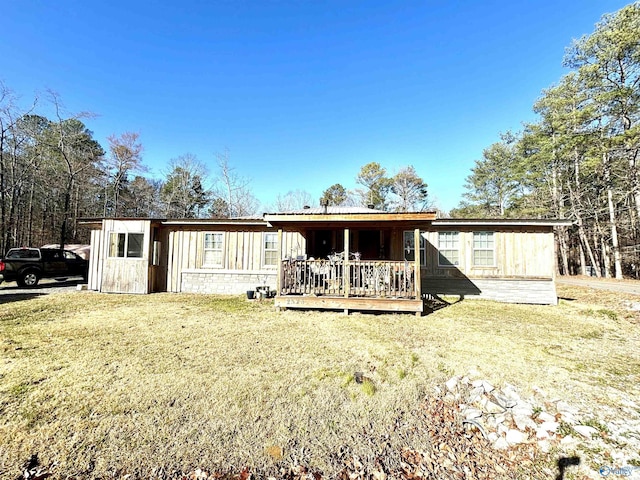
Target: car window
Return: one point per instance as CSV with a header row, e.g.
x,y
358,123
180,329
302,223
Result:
x,y
23,253
51,255
70,255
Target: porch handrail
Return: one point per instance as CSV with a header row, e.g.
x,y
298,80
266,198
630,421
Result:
x,y
366,278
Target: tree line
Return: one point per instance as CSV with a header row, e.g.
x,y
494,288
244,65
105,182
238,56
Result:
x,y
53,172
579,159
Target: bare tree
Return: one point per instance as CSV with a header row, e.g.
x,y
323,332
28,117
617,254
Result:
x,y
183,193
72,143
125,157
293,200
234,190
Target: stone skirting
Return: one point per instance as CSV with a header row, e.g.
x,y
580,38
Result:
x,y
226,282
508,290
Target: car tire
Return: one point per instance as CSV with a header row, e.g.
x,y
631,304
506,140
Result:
x,y
30,278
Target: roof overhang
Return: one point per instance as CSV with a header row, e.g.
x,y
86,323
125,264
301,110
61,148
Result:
x,y
501,222
202,222
347,219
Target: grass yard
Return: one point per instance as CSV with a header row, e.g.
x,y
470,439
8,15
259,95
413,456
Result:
x,y
160,384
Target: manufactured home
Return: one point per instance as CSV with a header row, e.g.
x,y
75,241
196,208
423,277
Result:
x,y
335,258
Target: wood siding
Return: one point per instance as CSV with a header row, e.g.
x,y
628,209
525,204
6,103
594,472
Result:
x,y
125,275
243,250
518,253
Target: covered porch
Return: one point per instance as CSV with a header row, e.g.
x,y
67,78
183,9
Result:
x,y
352,261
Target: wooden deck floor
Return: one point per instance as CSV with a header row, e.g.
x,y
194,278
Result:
x,y
327,302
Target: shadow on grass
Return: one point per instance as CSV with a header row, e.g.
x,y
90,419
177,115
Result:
x,y
433,303
14,293
564,463
16,297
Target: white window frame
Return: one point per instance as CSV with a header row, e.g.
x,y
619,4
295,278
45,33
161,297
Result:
x,y
448,242
492,249
217,246
125,252
408,246
265,250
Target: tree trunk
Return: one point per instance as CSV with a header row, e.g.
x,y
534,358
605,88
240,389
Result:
x,y
612,218
562,237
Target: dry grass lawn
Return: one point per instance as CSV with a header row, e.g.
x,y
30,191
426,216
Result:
x,y
166,383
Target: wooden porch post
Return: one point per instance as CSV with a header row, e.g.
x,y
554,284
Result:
x,y
416,259
345,267
280,273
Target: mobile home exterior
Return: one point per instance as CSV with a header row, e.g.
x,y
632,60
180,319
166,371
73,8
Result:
x,y
338,258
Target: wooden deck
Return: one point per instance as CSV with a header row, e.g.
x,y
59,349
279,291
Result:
x,y
354,285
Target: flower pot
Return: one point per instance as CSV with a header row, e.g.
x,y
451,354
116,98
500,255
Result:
x,y
251,294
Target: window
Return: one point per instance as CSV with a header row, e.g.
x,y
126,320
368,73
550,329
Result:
x,y
125,245
270,249
213,249
483,249
448,249
410,250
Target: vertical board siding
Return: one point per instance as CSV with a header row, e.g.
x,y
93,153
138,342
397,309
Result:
x,y
243,250
125,275
517,253
95,261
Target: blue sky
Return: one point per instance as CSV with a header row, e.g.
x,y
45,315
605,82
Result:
x,y
301,93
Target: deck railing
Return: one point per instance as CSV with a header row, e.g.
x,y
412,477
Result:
x,y
365,278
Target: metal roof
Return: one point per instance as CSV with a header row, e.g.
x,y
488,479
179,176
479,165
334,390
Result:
x,y
332,210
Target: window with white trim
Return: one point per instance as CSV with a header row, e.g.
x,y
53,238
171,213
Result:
x,y
270,256
213,249
483,249
125,244
410,248
448,249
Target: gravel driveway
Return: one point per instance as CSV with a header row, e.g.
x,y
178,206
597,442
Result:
x,y
10,291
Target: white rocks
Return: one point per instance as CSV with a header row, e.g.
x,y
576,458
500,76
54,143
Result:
x,y
585,430
515,437
510,392
522,408
550,426
541,433
568,441
452,383
503,401
545,417
476,394
471,413
523,422
545,446
501,444
508,419
491,407
567,417
486,386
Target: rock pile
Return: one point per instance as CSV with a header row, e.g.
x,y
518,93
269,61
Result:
x,y
505,418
